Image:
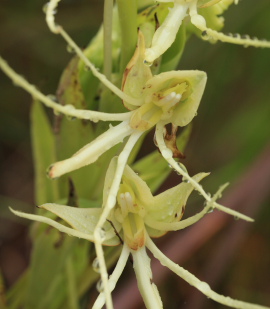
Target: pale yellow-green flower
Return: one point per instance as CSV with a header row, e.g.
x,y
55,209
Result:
x,y
136,217
154,101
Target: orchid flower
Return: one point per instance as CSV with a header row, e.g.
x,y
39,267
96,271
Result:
x,y
171,97
166,33
136,217
154,101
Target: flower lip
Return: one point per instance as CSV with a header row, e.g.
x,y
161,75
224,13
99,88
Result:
x,y
172,96
192,84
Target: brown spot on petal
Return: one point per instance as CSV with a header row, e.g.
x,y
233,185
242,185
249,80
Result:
x,y
137,242
50,171
183,209
156,21
72,195
170,141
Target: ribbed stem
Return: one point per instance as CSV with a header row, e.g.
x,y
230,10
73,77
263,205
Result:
x,y
107,38
127,11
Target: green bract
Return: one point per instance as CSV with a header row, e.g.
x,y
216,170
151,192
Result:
x,y
171,97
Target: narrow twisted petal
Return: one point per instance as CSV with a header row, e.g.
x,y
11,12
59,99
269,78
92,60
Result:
x,y
198,284
148,290
166,33
114,277
58,226
84,220
92,151
68,110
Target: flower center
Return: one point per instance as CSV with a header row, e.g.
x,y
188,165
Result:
x,y
158,106
130,215
168,98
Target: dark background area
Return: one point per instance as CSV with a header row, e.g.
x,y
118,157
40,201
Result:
x,y
230,139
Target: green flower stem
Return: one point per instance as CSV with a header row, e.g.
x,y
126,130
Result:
x,y
107,37
128,23
71,284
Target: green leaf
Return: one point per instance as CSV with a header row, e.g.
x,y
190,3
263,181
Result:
x,y
43,153
94,52
73,134
16,295
46,286
172,56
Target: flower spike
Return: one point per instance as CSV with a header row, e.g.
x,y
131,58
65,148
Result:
x,y
130,214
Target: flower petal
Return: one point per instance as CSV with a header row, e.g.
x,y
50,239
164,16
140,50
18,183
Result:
x,y
198,284
139,187
58,226
169,206
136,74
80,233
148,290
114,277
187,108
92,151
82,219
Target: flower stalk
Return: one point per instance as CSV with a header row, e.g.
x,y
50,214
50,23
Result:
x,y
130,214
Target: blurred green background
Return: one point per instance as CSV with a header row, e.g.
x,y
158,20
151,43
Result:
x,y
230,133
